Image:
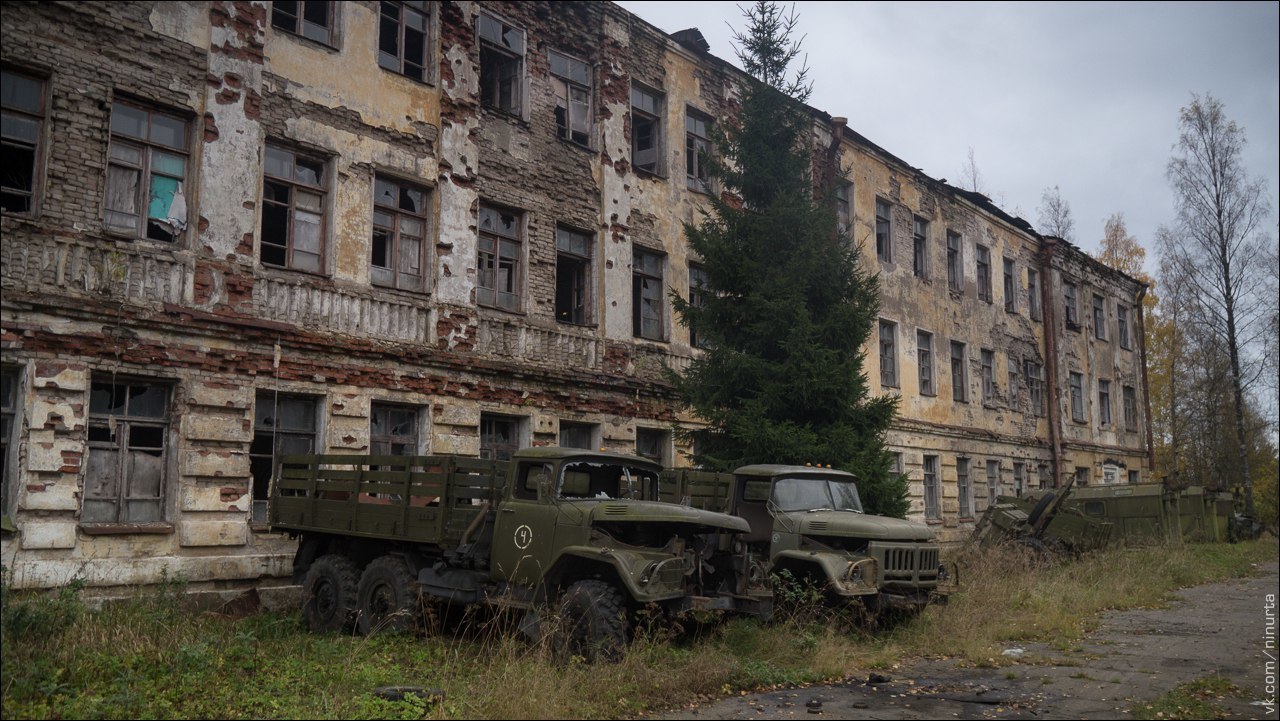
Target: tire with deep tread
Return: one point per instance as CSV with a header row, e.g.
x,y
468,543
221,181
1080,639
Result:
x,y
1041,506
387,598
330,589
594,624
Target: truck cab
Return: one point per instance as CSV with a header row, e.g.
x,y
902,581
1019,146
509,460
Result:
x,y
810,523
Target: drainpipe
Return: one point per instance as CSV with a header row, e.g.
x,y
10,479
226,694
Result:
x,y
1052,407
1146,395
838,125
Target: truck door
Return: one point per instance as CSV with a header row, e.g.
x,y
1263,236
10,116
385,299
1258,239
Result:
x,y
523,533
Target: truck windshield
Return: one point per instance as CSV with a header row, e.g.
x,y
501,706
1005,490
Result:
x,y
597,480
816,494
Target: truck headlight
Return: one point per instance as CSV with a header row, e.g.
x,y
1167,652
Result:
x,y
943,573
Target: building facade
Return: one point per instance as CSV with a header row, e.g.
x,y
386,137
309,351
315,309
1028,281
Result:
x,y
233,230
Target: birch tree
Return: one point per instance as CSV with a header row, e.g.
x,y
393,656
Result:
x,y
1217,248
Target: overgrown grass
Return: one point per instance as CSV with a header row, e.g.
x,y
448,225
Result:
x,y
1200,699
151,658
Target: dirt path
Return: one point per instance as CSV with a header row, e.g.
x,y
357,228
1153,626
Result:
x,y
1131,658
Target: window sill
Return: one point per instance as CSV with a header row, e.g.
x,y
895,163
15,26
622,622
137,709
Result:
x,y
287,270
399,74
500,309
517,116
118,529
309,41
646,339
575,144
651,175
414,294
933,521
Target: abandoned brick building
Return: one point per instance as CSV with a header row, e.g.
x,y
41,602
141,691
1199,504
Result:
x,y
237,229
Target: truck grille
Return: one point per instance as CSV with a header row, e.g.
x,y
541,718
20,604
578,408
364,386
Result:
x,y
907,563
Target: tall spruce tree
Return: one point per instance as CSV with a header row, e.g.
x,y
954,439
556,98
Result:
x,y
787,305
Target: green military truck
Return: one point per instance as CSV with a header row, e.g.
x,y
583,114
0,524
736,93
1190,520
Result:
x,y
579,531
808,521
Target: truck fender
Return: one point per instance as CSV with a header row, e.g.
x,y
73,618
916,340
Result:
x,y
615,564
845,575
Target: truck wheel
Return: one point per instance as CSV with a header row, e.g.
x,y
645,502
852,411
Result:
x,y
330,588
388,600
593,621
1040,508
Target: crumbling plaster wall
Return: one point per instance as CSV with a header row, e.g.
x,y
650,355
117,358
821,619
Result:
x,y
1091,443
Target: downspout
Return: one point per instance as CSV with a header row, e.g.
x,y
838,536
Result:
x,y
1146,394
1052,407
832,170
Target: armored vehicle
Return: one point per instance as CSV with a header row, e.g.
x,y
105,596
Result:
x,y
1040,522
809,523
580,531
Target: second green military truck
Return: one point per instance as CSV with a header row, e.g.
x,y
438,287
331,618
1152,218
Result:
x,y
809,523
577,532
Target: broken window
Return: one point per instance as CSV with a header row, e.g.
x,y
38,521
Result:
x,y
128,452
932,508
959,374
499,437
21,126
983,256
988,377
577,435
888,354
1035,386
1075,382
920,248
282,425
1104,402
393,430
1033,294
652,443
571,80
647,108
399,247
8,425
698,294
498,281
697,150
993,475
293,197
1082,475
145,173
1130,409
1010,287
955,269
964,488
844,207
404,38
924,353
1099,318
646,295
310,19
1069,303
501,64
883,235
1019,478
1011,364
993,486
1122,325
573,276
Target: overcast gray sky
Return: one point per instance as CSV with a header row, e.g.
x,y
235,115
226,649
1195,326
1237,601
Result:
x,y
1084,96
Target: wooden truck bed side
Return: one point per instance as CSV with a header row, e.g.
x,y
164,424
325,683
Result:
x,y
421,499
